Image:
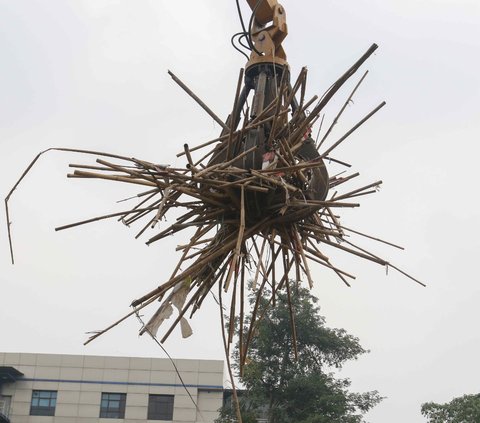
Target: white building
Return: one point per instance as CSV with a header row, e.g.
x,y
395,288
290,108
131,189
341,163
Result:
x,y
50,388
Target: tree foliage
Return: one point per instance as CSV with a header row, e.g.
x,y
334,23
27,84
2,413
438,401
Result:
x,y
465,409
303,390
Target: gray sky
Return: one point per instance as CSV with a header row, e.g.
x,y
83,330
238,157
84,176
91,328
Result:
x,y
93,75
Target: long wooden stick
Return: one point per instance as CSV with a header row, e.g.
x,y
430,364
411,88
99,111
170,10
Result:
x,y
233,116
349,99
27,170
351,131
95,219
200,102
227,357
199,264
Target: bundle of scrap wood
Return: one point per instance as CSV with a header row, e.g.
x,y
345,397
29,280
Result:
x,y
253,228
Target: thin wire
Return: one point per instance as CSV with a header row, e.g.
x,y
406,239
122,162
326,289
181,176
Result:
x,y
318,133
144,327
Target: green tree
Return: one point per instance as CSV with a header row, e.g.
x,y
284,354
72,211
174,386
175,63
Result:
x,y
303,390
465,409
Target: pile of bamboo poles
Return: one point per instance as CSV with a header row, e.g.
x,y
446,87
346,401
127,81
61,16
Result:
x,y
230,250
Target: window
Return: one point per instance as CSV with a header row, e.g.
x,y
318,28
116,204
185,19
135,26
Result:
x,y
160,407
113,405
43,403
5,402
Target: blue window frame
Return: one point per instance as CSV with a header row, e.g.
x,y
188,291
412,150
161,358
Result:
x,y
112,405
43,403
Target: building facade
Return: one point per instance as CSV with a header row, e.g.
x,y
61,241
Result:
x,y
51,388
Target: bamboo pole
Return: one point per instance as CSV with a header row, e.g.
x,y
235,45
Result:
x,y
233,122
199,264
94,219
240,240
351,131
199,102
349,99
227,357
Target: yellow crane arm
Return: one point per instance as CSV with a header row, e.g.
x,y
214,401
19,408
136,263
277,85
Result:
x,y
268,31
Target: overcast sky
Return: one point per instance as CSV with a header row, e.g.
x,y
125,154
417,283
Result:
x,y
92,74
